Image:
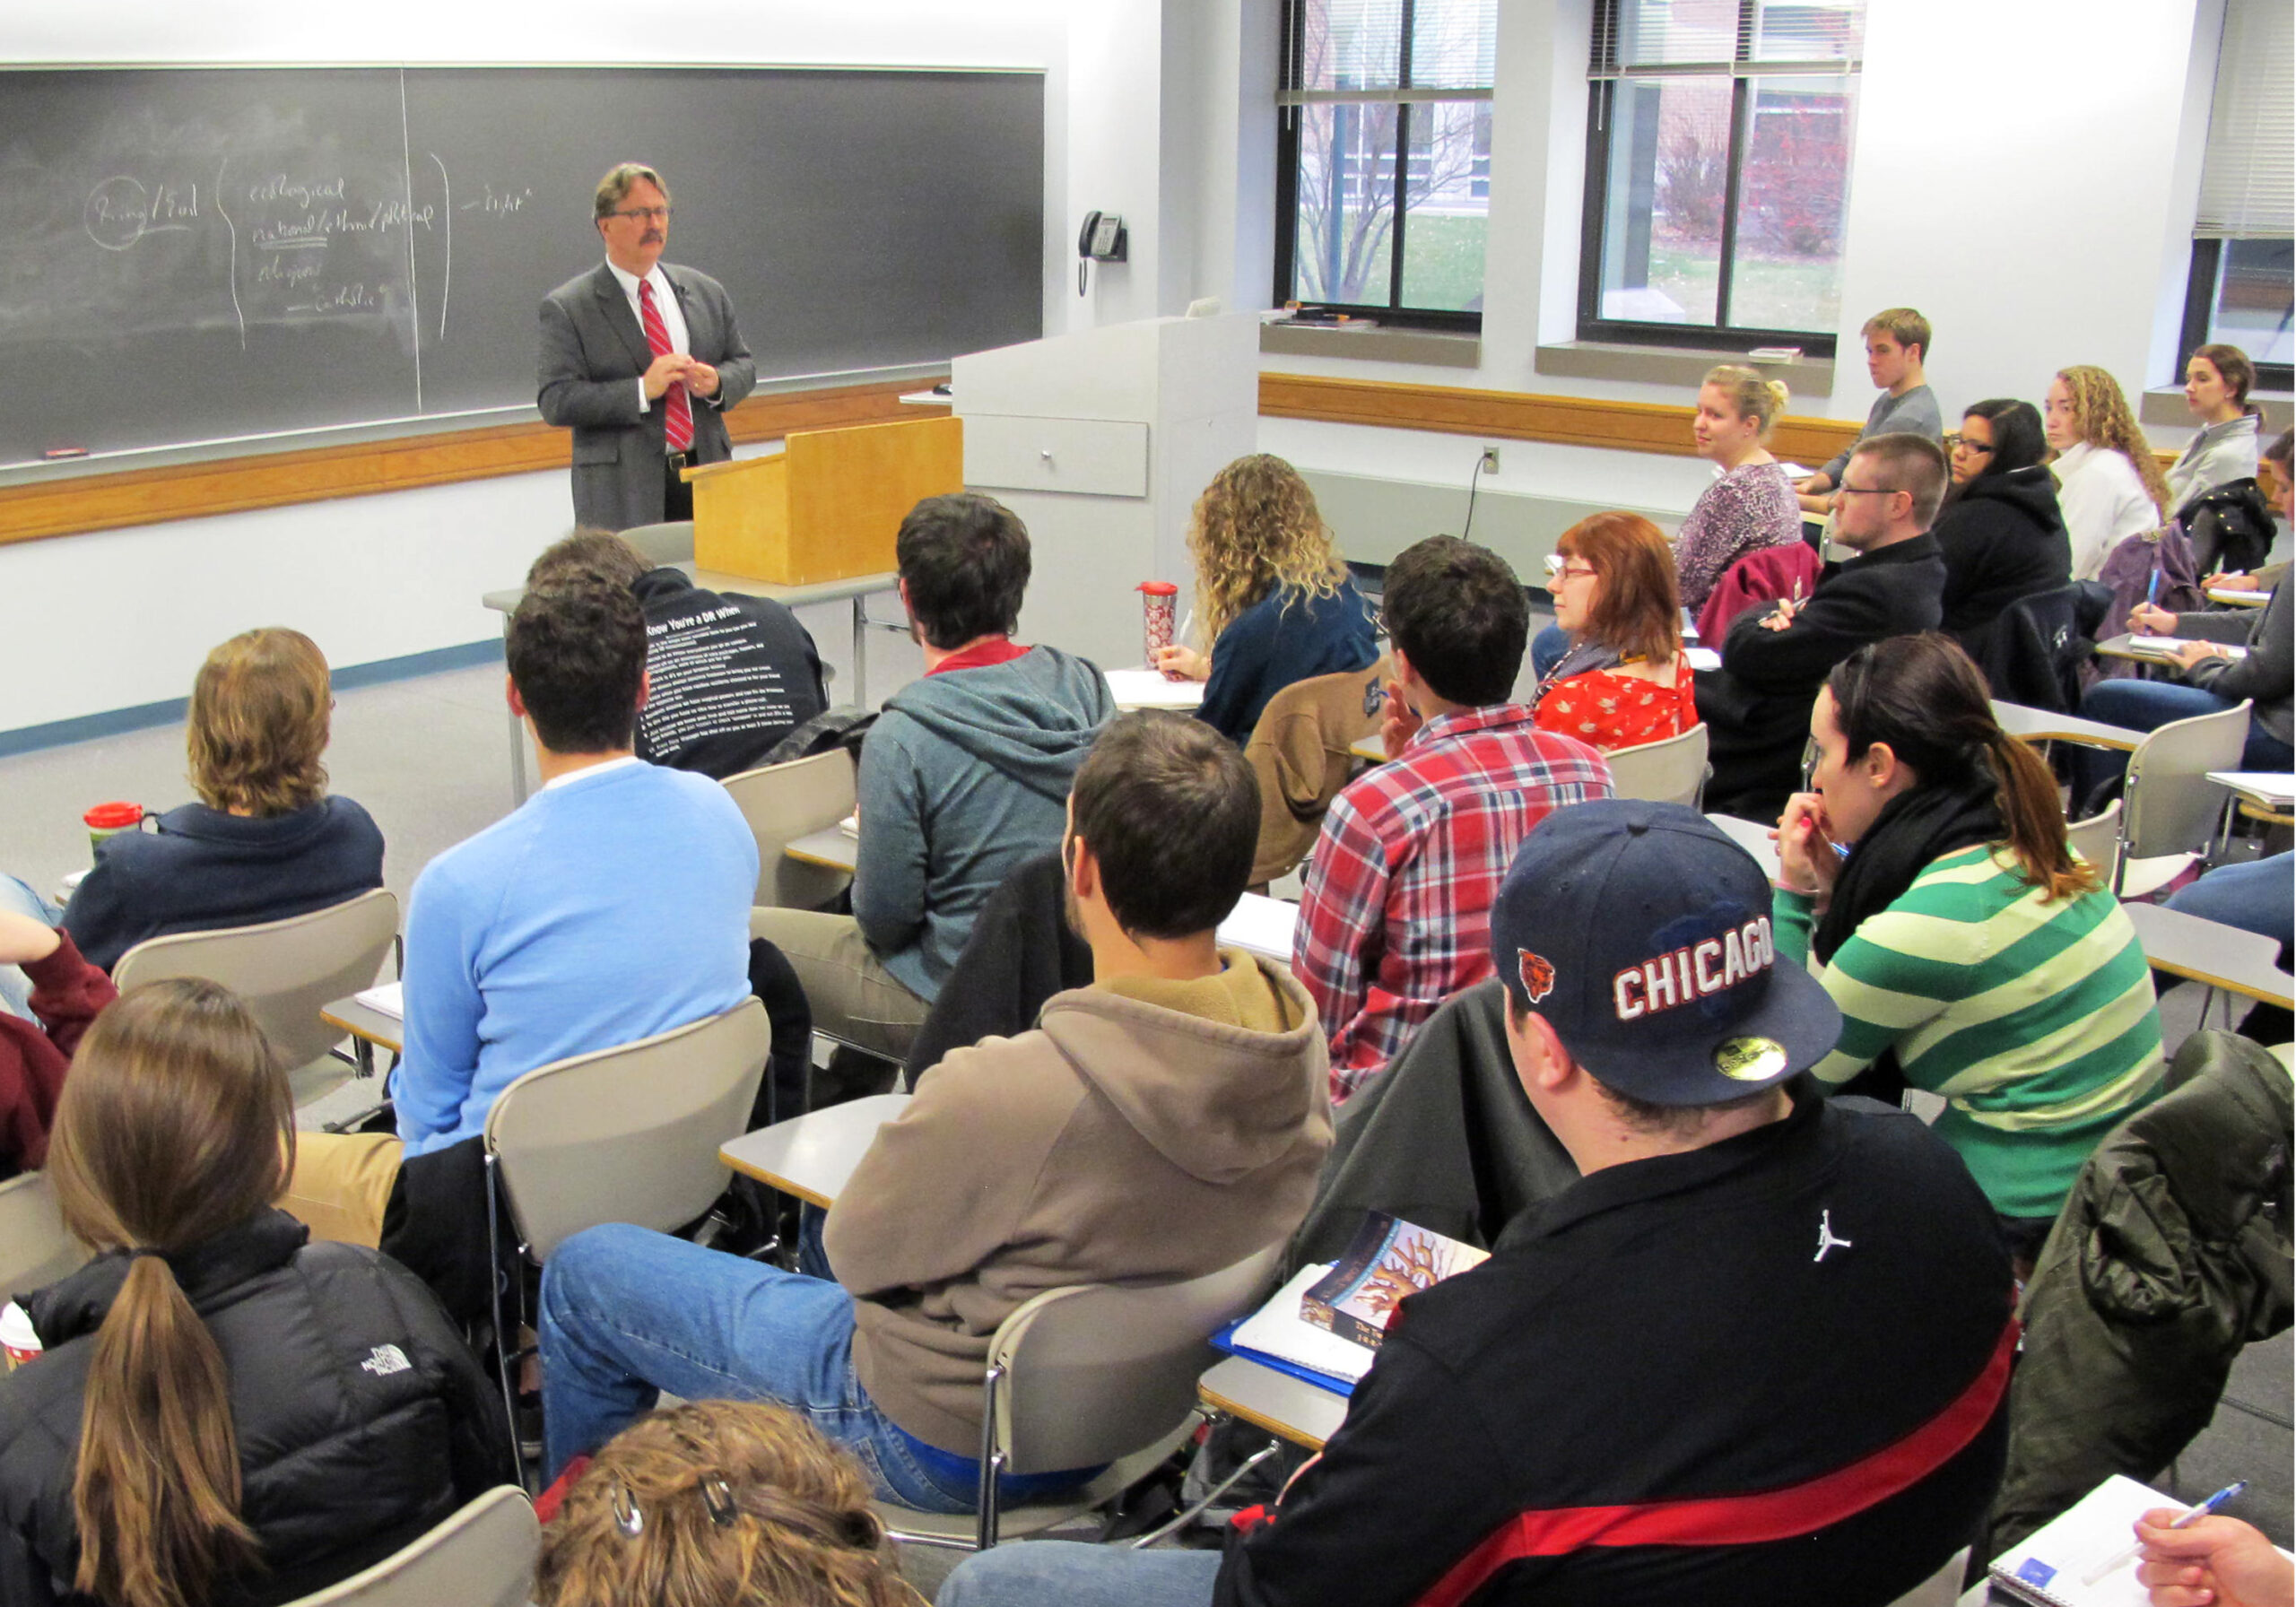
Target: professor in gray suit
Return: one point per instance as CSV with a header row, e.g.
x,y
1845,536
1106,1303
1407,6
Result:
x,y
639,359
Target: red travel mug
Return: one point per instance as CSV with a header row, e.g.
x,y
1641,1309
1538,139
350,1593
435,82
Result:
x,y
1156,605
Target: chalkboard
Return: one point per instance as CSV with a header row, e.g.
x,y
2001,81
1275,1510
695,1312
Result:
x,y
209,253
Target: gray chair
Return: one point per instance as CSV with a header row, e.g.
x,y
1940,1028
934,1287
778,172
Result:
x,y
671,543
784,801
35,1250
1088,1375
484,1556
2171,808
2097,840
287,971
1672,770
628,1135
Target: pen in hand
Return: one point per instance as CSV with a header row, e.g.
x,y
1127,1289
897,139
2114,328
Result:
x,y
2121,1559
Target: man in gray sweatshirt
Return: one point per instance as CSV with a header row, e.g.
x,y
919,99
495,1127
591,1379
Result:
x,y
964,775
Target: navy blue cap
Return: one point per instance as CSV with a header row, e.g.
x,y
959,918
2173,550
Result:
x,y
1642,934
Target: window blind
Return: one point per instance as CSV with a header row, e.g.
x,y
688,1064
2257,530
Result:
x,y
2248,183
1389,50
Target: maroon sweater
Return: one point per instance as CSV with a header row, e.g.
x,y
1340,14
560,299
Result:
x,y
66,994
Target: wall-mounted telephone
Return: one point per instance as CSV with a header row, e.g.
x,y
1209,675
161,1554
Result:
x,y
1102,238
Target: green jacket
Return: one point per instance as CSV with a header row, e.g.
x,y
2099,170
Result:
x,y
2171,1254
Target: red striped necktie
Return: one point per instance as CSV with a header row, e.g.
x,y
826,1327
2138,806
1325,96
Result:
x,y
678,427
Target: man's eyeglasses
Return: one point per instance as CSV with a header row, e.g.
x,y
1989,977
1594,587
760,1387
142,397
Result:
x,y
651,215
1962,443
1867,491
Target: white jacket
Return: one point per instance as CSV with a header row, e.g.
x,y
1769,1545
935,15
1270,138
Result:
x,y
2104,502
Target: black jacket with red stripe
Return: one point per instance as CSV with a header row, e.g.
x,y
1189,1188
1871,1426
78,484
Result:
x,y
1768,1372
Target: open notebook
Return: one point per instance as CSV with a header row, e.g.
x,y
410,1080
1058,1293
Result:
x,y
2052,1568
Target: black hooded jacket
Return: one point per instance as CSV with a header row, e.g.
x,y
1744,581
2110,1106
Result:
x,y
362,1418
2003,538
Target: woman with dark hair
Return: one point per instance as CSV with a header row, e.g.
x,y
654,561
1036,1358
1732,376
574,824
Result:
x,y
265,841
1929,874
1626,680
221,1412
2217,382
2000,531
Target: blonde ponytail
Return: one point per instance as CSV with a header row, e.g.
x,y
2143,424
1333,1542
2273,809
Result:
x,y
1752,395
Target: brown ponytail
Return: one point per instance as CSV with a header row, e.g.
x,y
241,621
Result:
x,y
1924,697
175,1126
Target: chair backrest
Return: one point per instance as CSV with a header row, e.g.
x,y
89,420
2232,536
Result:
x,y
1302,751
783,803
286,971
1096,1371
1672,770
628,1135
672,542
2171,807
484,1556
35,1250
2097,840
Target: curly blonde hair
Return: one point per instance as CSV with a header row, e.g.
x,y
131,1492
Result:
x,y
2101,413
1256,528
731,1502
258,722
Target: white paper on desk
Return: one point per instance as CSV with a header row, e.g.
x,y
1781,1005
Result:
x,y
389,999
1262,924
2278,786
2234,594
1148,689
851,825
1704,658
2165,645
1277,1329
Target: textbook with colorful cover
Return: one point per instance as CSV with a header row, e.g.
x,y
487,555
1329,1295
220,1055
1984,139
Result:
x,y
1386,1261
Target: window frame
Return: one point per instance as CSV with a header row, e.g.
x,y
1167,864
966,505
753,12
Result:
x,y
1605,74
2200,305
1290,103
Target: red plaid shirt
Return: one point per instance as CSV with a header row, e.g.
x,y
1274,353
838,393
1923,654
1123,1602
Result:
x,y
1395,918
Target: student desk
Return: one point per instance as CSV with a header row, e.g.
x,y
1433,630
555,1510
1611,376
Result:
x,y
2039,725
811,1156
833,847
368,1027
1300,1412
857,588
2212,954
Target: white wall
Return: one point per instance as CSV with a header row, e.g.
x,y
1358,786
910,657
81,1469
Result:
x,y
132,612
2024,173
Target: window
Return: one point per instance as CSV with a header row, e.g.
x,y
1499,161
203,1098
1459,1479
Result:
x,y
2243,277
1718,134
1383,158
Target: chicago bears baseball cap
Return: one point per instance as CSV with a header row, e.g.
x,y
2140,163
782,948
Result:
x,y
1642,934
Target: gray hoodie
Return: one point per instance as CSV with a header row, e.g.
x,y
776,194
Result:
x,y
964,775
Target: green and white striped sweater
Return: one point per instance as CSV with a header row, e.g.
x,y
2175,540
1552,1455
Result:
x,y
2035,1019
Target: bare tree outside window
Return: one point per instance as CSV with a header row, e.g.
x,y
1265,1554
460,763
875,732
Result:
x,y
1387,154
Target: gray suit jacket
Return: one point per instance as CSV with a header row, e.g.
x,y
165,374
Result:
x,y
592,350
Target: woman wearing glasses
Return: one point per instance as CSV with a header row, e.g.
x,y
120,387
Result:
x,y
1626,680
2001,530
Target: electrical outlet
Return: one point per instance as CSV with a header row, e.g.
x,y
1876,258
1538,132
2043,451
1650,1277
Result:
x,y
1490,460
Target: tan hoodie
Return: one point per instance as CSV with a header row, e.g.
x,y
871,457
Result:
x,y
1121,1140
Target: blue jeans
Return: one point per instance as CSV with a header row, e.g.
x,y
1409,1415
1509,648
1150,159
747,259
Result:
x,y
15,988
2258,897
1547,649
627,1313
2147,706
1064,1573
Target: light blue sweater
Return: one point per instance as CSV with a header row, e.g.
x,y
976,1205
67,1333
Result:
x,y
605,910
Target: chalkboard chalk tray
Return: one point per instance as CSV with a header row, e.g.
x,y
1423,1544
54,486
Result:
x,y
215,253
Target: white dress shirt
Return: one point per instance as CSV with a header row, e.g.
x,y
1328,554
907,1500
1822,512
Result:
x,y
665,301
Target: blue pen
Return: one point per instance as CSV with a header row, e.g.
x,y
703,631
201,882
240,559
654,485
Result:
x,y
2153,591
2186,1521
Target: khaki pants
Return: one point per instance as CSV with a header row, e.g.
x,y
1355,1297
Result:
x,y
854,997
341,1184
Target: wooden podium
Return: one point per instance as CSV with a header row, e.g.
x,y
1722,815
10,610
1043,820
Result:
x,y
827,505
